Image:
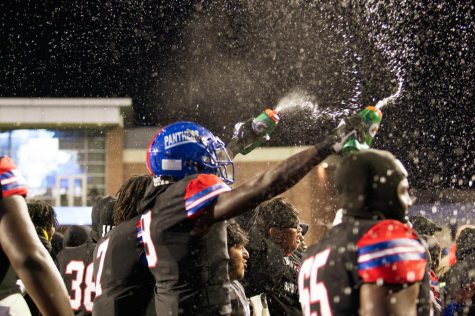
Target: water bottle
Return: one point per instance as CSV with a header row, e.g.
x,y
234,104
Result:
x,y
371,117
252,133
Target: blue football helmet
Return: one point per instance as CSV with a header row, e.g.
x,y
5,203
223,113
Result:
x,y
185,148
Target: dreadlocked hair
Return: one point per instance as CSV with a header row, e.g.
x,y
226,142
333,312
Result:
x,y
42,215
236,235
129,196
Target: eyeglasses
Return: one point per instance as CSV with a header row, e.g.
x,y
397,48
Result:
x,y
298,228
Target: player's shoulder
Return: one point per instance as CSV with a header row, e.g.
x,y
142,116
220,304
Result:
x,y
387,230
78,251
201,191
11,180
68,254
203,182
6,163
102,243
123,229
390,252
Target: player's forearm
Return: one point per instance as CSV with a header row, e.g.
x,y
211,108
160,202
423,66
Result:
x,y
283,176
44,284
270,183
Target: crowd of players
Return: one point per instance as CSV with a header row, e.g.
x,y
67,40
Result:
x,y
180,241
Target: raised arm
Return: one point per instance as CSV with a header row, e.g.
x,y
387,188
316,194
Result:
x,y
270,183
29,259
286,174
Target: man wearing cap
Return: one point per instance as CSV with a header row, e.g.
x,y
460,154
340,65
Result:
x,y
424,226
272,267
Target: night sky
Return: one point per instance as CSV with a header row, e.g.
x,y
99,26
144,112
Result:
x,y
218,62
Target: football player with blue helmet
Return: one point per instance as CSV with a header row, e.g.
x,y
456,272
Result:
x,y
182,225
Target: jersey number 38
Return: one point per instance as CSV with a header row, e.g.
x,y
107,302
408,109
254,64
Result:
x,y
83,274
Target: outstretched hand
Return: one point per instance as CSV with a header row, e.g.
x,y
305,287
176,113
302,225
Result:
x,y
350,126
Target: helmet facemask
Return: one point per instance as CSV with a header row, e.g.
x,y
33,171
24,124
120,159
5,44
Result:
x,y
219,160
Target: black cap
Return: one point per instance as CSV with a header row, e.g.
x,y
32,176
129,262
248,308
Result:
x,y
304,228
423,225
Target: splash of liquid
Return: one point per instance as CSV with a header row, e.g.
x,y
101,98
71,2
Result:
x,y
380,104
298,100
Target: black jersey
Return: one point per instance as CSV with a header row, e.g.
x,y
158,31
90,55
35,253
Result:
x,y
190,271
11,183
353,253
271,271
124,285
76,268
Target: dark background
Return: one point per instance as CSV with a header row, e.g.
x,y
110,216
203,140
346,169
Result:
x,y
218,62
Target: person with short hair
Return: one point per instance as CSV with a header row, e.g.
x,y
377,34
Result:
x,y
56,245
238,258
22,254
76,235
272,269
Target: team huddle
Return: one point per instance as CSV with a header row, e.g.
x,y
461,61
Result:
x,y
169,250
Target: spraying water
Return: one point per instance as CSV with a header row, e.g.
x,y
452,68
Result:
x,y
380,104
298,100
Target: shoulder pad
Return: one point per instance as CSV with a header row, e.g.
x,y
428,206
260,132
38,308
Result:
x,y
11,180
390,252
201,192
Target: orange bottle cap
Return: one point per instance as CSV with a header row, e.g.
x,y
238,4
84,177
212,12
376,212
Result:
x,y
273,114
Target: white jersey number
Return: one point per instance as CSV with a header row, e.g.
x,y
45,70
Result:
x,y
79,298
101,253
316,292
151,254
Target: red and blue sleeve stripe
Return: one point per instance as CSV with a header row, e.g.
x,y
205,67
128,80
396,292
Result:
x,y
390,253
204,198
12,183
